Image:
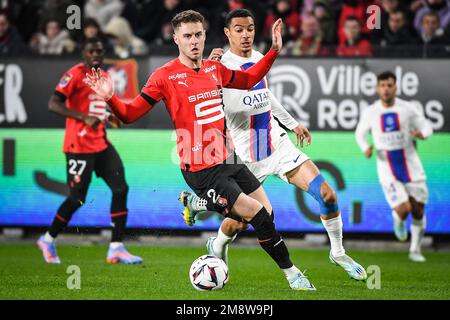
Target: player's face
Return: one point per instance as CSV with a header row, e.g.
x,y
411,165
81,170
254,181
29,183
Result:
x,y
93,54
386,90
190,38
241,34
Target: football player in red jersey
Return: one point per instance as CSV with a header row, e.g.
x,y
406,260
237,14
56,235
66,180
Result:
x,y
88,150
192,91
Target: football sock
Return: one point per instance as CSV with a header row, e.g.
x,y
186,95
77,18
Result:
x,y
115,245
291,272
63,216
221,241
118,222
270,239
417,232
334,230
48,238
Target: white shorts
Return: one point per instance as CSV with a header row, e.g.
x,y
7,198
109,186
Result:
x,y
285,158
398,192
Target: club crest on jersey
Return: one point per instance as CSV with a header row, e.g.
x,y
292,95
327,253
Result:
x,y
65,80
213,76
390,122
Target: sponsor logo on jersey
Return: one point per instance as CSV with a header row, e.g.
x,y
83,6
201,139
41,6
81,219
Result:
x,y
184,83
65,80
257,100
207,70
178,76
205,95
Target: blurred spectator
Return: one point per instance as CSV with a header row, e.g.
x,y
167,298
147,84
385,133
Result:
x,y
291,18
103,10
354,44
397,32
442,7
54,10
323,12
356,9
310,41
166,35
53,40
433,37
10,41
155,14
91,29
125,42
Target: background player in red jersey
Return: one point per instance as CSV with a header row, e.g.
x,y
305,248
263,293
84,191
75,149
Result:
x,y
192,91
88,150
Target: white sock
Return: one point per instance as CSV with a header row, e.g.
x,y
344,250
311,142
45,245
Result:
x,y
334,230
115,245
291,272
417,232
48,238
221,241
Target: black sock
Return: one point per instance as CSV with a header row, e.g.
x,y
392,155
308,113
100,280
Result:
x,y
270,239
119,221
63,216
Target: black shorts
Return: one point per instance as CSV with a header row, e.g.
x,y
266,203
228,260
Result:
x,y
81,165
221,185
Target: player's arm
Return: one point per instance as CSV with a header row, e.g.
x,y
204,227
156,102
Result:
x,y
57,105
362,134
421,126
103,85
301,132
247,79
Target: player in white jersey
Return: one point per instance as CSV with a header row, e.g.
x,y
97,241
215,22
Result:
x,y
266,149
394,124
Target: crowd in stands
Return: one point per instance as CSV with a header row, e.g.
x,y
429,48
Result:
x,y
344,28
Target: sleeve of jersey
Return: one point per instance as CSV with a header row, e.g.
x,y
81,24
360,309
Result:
x,y
130,112
281,114
362,132
66,85
247,79
422,124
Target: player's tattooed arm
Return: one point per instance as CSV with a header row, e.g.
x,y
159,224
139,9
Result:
x,y
57,105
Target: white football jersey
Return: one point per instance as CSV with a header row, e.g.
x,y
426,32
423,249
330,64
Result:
x,y
391,127
250,114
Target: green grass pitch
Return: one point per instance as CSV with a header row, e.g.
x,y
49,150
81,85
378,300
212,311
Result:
x,y
164,275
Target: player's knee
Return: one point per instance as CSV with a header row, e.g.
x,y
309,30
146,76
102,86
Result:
x,y
328,194
324,195
263,224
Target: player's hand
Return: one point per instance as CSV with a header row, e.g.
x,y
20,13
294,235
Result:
x,y
101,82
301,133
417,134
91,121
114,121
277,39
368,152
216,54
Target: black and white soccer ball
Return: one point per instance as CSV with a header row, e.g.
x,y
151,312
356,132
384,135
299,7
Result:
x,y
208,273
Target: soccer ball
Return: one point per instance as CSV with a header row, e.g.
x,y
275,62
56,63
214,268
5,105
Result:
x,y
208,273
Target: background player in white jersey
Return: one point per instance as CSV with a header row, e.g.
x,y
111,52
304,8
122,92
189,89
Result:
x,y
266,148
394,124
